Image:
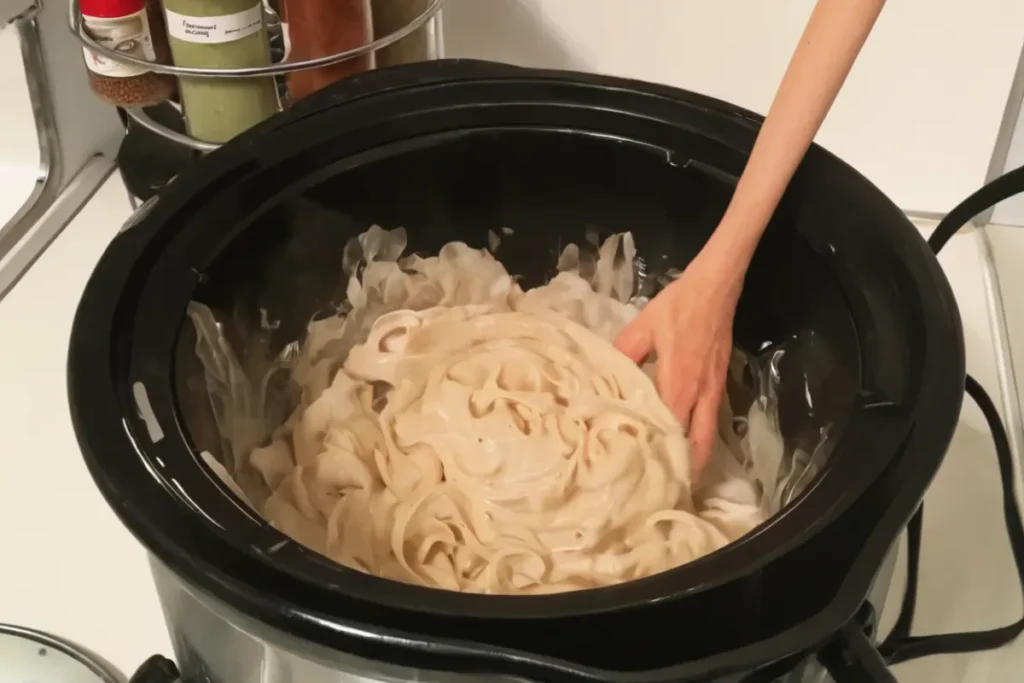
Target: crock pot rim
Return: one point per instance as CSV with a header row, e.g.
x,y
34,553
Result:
x,y
196,180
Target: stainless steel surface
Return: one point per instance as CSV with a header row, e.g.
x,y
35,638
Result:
x,y
925,215
73,127
140,116
216,644
75,23
437,28
1009,395
810,669
20,257
50,162
1009,153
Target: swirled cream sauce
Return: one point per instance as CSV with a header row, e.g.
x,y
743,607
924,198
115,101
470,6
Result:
x,y
484,439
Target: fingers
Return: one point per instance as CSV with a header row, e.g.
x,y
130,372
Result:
x,y
703,428
635,340
704,423
677,386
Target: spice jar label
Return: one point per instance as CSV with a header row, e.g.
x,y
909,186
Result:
x,y
128,34
223,28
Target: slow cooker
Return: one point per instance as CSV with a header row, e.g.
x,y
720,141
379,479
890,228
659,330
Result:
x,y
451,150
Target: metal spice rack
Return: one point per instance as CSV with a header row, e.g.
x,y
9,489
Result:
x,y
278,69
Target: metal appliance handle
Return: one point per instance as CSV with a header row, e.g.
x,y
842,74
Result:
x,y
156,669
851,657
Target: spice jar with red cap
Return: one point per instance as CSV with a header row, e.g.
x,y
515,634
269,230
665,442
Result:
x,y
126,26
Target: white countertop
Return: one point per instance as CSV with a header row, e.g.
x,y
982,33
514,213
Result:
x,y
69,567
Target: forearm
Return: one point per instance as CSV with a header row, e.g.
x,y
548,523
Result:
x,y
827,50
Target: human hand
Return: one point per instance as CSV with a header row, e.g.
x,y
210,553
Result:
x,y
689,326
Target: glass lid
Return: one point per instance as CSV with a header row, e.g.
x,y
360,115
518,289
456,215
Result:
x,y
29,656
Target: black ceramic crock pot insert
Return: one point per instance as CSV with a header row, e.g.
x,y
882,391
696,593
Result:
x,y
792,582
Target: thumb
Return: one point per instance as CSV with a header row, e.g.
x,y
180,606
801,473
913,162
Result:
x,y
635,340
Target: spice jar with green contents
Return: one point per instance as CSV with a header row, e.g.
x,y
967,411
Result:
x,y
221,34
393,15
125,27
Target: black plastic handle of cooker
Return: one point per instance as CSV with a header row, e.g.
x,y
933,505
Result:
x,y
156,669
851,657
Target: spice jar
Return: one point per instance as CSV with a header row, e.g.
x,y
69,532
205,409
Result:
x,y
220,34
124,26
319,28
393,15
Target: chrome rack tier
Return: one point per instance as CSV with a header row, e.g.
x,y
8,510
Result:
x,y
74,19
78,136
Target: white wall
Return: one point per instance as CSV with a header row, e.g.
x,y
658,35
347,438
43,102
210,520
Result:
x,y
19,146
919,114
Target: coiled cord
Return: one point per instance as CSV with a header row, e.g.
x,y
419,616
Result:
x,y
900,646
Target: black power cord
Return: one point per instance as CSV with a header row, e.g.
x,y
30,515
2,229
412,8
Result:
x,y
900,646
903,646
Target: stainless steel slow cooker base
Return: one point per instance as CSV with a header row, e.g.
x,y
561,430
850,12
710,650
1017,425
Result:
x,y
217,644
214,643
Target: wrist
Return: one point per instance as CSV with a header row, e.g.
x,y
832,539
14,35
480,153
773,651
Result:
x,y
731,247
724,266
